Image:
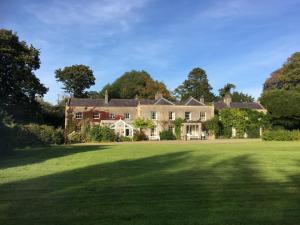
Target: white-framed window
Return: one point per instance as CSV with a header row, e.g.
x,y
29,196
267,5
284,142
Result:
x,y
111,116
78,115
96,115
202,116
153,131
171,115
153,115
188,115
126,115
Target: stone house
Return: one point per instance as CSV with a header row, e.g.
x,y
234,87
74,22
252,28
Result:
x,y
119,114
228,104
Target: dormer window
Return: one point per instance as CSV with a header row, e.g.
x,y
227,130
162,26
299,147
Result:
x,y
78,115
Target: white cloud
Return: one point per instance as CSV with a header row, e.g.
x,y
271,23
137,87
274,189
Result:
x,y
101,12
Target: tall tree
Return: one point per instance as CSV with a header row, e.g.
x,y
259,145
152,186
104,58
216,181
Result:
x,y
226,89
76,79
196,85
241,97
281,94
18,84
287,77
283,107
135,83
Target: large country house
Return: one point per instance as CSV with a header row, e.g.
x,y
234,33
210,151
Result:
x,y
119,114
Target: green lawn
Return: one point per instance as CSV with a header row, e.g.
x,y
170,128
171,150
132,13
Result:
x,y
218,183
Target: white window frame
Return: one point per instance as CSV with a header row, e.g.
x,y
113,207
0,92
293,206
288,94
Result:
x,y
153,115
125,115
112,116
171,115
153,132
78,115
201,116
96,115
190,116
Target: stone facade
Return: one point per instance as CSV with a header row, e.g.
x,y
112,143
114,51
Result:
x,y
119,114
82,112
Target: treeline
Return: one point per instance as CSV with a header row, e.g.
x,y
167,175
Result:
x,y
21,92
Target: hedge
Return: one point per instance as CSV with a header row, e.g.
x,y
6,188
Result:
x,y
167,135
281,135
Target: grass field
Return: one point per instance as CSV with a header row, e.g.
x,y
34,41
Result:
x,y
215,183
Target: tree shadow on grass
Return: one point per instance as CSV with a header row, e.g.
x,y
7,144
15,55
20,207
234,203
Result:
x,y
153,190
32,155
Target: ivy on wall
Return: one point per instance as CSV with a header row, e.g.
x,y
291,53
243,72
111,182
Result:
x,y
243,120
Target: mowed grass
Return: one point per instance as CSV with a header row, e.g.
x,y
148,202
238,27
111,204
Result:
x,y
174,183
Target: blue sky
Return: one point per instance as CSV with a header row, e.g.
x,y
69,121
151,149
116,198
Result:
x,y
236,41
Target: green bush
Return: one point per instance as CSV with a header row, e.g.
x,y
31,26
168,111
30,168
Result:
x,y
75,137
167,135
139,136
99,133
281,135
34,134
125,139
253,131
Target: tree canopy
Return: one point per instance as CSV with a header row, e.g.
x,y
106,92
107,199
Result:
x,y
236,96
135,84
195,85
287,77
76,79
281,94
226,89
19,85
283,107
241,97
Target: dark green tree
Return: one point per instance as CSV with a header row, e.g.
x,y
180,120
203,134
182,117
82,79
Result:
x,y
241,97
18,84
135,84
196,85
283,107
76,79
226,89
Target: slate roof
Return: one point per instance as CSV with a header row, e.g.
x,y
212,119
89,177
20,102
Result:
x,y
238,105
192,102
86,102
116,102
134,102
123,102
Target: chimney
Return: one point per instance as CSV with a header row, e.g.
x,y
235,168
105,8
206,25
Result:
x,y
202,99
227,99
158,95
106,97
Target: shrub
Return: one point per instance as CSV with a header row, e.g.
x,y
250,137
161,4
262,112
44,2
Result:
x,y
253,131
124,139
178,124
75,137
281,135
100,133
139,136
167,135
34,134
